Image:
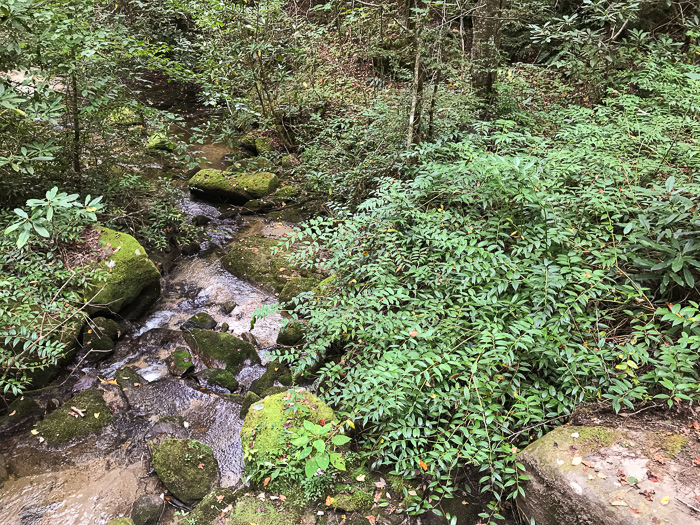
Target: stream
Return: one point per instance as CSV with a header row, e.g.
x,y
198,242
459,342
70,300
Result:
x,y
99,478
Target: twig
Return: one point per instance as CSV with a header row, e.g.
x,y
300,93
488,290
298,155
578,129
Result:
x,y
688,505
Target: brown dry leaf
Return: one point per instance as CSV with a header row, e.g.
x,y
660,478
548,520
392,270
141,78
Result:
x,y
652,477
648,495
695,425
137,384
659,458
282,269
329,501
413,333
266,481
283,497
634,511
655,520
665,500
577,460
201,466
377,496
696,462
219,499
12,413
253,250
380,484
371,519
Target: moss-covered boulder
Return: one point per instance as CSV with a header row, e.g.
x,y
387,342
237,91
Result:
x,y
264,434
296,286
67,423
249,509
249,400
147,510
133,282
211,508
121,521
237,188
291,335
247,143
251,164
99,338
21,413
263,145
354,491
274,371
288,162
202,320
159,141
596,475
126,378
186,467
218,377
124,116
225,348
180,362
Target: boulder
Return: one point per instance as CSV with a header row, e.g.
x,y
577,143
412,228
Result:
x,y
99,338
160,141
248,400
186,467
237,188
126,378
288,162
202,320
605,476
274,371
67,423
180,362
249,509
20,415
133,282
215,347
296,286
147,510
211,507
292,334
263,145
217,377
263,434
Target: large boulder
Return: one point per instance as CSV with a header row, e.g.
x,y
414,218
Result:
x,y
268,424
237,188
20,415
217,347
84,414
186,467
605,476
133,281
214,505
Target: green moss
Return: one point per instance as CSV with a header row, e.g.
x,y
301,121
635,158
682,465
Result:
x,y
263,434
211,507
250,164
263,144
273,390
121,521
402,487
249,509
291,335
180,362
237,188
671,444
201,320
133,282
273,370
247,142
160,141
186,467
126,378
219,377
296,286
249,399
60,426
226,348
124,116
288,162
354,500
99,338
21,413
256,205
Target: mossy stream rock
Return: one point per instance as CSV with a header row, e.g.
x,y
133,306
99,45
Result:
x,y
219,378
211,507
186,467
263,435
21,413
160,141
291,335
575,475
249,509
133,282
202,320
274,371
99,338
237,188
147,510
180,362
61,425
296,286
226,348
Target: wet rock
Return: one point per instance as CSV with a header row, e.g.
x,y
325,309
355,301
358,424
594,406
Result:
x,y
237,188
249,509
218,377
249,399
291,335
201,220
180,362
186,467
133,282
21,414
249,338
596,475
217,346
85,382
99,338
263,430
4,475
190,249
228,307
294,287
211,507
81,415
258,205
121,521
224,327
160,141
273,371
146,510
202,320
127,379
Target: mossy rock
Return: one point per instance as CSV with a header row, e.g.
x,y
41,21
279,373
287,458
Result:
x,y
297,213
249,399
202,320
121,521
285,194
296,286
288,162
126,378
263,145
211,507
60,426
218,377
186,467
263,435
21,413
352,495
180,362
124,116
249,509
258,205
160,141
250,164
273,370
237,188
292,334
147,510
99,338
133,282
226,348
405,489
355,500
274,390
247,142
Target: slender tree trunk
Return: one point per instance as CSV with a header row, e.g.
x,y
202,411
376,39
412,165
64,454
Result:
x,y
75,117
485,46
414,119
431,111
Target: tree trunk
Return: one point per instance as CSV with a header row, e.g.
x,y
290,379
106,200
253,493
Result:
x,y
414,119
485,46
75,117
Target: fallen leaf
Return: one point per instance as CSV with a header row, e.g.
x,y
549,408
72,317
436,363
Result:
x,y
377,496
41,439
413,333
371,519
185,424
648,494
659,458
380,484
652,477
329,501
655,520
696,462
423,464
200,466
602,476
695,425
97,415
575,435
632,480
577,460
219,499
282,269
665,500
35,432
254,250
412,493
12,413
137,384
267,480
634,511
591,476
283,497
